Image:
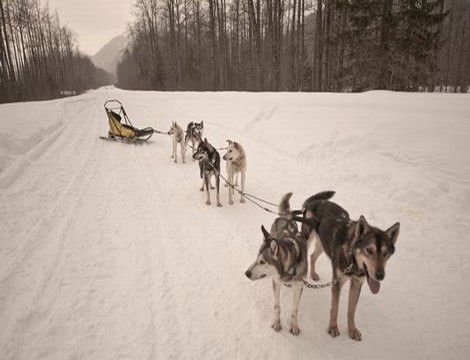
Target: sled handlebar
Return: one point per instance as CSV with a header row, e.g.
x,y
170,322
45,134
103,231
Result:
x,y
108,102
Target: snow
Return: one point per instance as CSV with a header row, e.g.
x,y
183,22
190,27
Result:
x,y
108,251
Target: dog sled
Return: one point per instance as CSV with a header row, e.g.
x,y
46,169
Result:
x,y
120,126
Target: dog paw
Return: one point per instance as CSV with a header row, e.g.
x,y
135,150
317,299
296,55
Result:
x,y
333,331
201,189
219,204
355,334
208,202
286,279
212,187
242,200
276,325
230,202
294,330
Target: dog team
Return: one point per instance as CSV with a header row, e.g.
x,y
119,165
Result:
x,y
357,250
209,158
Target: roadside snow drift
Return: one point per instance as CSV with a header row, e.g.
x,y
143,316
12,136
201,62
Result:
x,y
108,251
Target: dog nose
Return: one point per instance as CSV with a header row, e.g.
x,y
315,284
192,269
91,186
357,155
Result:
x,y
248,274
380,274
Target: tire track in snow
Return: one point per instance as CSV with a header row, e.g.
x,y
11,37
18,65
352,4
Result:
x,y
106,270
161,264
33,186
31,272
173,282
57,311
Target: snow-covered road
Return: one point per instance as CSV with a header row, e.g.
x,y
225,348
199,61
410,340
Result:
x,y
108,251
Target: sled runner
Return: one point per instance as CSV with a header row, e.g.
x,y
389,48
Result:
x,y
120,127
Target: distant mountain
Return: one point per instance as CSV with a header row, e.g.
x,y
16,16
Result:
x,y
110,54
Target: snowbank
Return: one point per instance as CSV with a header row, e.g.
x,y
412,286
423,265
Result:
x,y
23,125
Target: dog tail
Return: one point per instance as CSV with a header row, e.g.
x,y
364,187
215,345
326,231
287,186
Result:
x,y
324,195
284,205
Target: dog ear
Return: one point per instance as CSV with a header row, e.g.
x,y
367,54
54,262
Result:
x,y
274,246
393,231
205,141
202,123
266,235
229,141
362,227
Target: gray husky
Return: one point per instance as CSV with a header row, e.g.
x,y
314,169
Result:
x,y
178,138
209,165
194,132
357,250
283,257
236,164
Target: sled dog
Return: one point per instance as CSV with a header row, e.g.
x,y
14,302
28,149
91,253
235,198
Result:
x,y
357,250
283,257
194,132
236,164
178,138
209,165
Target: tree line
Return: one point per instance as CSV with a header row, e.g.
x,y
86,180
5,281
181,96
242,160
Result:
x,y
38,55
454,71
298,45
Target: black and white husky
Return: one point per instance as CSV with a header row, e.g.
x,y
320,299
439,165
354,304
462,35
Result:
x,y
236,164
209,165
283,257
178,138
194,132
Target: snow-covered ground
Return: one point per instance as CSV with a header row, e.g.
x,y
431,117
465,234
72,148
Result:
x,y
108,251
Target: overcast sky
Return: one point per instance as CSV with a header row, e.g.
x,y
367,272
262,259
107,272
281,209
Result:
x,y
95,22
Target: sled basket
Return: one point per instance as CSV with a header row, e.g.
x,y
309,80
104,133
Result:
x,y
120,127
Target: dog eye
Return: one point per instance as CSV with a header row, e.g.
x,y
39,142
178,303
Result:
x,y
385,254
230,151
262,262
370,251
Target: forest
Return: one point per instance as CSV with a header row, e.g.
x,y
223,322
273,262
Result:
x,y
298,45
247,45
38,55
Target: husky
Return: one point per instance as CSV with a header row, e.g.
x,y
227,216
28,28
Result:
x,y
236,164
357,250
194,132
209,165
283,257
178,138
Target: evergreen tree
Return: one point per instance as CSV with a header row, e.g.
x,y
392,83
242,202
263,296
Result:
x,y
417,44
392,44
